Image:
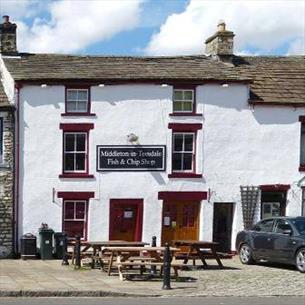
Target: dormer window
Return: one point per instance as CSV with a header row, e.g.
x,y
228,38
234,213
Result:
x,y
77,101
183,101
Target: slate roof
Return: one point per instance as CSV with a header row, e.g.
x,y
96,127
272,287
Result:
x,y
273,79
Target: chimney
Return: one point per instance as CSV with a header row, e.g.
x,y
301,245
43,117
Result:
x,y
8,37
220,45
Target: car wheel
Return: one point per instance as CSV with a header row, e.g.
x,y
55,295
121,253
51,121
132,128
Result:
x,y
245,254
300,260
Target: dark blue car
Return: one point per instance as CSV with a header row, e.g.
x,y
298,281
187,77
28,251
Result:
x,y
278,239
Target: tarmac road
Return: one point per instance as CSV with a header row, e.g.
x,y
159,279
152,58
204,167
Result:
x,y
156,301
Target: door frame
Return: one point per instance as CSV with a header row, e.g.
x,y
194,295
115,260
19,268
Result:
x,y
139,217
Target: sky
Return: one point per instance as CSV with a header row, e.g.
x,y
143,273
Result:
x,y
155,27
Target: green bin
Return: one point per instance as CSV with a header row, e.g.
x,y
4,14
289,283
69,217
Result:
x,y
46,243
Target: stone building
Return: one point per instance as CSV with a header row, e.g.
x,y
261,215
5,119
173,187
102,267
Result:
x,y
7,127
181,147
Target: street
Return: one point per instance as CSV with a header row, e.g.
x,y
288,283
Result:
x,y
157,301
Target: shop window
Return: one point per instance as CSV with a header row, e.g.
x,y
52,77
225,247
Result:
x,y
183,101
273,204
75,218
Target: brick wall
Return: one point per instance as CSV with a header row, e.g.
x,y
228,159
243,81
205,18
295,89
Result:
x,y
7,187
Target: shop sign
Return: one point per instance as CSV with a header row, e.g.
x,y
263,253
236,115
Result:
x,y
131,158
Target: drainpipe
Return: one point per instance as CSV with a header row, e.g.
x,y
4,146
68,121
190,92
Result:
x,y
16,173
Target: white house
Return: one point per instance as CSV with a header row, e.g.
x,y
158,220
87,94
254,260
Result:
x,y
185,147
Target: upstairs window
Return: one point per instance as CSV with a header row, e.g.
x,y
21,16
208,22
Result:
x,y
75,152
1,141
183,156
77,101
302,147
183,101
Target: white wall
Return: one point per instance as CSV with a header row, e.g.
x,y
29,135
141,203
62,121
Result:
x,y
237,146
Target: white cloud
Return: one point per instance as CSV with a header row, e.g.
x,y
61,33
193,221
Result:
x,y
74,25
261,25
297,47
20,8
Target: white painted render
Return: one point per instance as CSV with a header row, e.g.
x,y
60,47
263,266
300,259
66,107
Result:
x,y
7,81
238,145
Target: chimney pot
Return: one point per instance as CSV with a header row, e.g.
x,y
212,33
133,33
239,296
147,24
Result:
x,y
6,19
221,26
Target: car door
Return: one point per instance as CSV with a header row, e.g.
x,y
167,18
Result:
x,y
262,238
284,244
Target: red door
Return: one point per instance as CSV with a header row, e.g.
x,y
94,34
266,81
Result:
x,y
126,216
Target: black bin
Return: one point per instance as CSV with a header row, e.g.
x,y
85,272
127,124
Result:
x,y
28,246
46,243
59,245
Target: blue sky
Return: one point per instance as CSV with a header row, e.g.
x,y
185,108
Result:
x,y
155,27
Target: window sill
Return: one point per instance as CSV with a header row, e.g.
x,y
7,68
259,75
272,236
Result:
x,y
78,114
185,114
76,175
302,168
184,175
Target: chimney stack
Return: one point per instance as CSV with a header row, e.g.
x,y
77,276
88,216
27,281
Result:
x,y
8,39
220,45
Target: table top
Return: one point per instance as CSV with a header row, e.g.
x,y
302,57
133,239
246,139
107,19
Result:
x,y
138,249
201,243
117,243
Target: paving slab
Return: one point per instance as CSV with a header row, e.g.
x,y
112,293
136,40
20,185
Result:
x,y
49,278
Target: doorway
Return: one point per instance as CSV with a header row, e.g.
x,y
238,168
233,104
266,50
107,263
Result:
x,y
180,220
222,226
126,218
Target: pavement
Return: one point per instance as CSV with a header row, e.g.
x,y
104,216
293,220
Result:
x,y
48,278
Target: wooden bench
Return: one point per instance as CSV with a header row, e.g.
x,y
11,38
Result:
x,y
121,266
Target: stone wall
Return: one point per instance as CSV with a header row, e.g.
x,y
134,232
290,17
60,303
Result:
x,y
7,187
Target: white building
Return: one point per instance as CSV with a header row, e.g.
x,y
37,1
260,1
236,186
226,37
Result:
x,y
132,147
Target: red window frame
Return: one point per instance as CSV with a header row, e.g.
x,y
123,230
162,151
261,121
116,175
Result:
x,y
82,113
185,128
186,113
76,128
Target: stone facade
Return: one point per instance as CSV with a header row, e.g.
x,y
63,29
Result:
x,y
8,37
7,186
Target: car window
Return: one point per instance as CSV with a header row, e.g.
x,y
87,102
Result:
x,y
300,225
264,226
282,226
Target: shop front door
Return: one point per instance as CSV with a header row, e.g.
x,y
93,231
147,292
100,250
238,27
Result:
x,y
180,220
126,219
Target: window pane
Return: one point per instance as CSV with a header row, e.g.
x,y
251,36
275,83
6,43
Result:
x,y
83,95
73,228
188,142
69,210
71,106
266,226
69,162
188,95
82,106
187,106
69,141
177,106
81,142
282,226
187,161
80,210
176,161
80,161
178,95
72,95
178,142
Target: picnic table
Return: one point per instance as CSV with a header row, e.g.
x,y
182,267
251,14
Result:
x,y
198,249
95,249
122,257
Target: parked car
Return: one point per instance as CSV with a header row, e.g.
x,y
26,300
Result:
x,y
278,239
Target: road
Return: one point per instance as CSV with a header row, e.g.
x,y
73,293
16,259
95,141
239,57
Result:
x,y
156,301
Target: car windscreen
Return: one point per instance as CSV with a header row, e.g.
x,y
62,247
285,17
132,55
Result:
x,y
300,225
